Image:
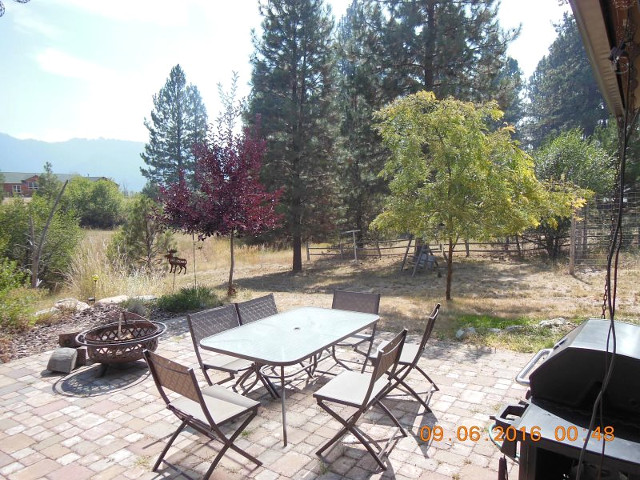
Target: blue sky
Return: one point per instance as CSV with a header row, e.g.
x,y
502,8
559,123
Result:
x,y
89,68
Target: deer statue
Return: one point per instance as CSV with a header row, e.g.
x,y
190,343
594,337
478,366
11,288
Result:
x,y
176,262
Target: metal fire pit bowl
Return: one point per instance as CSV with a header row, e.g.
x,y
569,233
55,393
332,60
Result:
x,y
108,345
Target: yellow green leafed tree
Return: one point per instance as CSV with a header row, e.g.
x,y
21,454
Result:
x,y
456,173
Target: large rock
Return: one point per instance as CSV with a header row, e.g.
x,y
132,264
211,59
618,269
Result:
x,y
514,328
465,333
71,304
145,298
113,300
554,322
47,311
62,360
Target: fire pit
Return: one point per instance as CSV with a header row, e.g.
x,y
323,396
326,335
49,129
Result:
x,y
122,341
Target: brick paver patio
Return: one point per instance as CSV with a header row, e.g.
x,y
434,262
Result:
x,y
79,426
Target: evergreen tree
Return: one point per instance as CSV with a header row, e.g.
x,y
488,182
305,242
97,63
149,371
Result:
x,y
178,122
360,93
509,85
292,93
451,48
562,92
48,183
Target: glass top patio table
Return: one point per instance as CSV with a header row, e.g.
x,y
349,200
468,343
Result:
x,y
288,338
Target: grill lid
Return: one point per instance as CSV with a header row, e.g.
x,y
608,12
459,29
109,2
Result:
x,y
573,372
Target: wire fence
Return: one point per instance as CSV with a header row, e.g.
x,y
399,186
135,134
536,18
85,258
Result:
x,y
591,229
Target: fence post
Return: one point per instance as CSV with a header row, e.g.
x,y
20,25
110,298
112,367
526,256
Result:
x,y
585,233
406,254
355,246
308,253
572,246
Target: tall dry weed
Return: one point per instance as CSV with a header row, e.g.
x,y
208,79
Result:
x,y
92,274
213,253
115,277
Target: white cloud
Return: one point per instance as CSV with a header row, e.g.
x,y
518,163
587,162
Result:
x,y
61,63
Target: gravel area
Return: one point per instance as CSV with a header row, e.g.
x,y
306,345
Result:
x,y
44,337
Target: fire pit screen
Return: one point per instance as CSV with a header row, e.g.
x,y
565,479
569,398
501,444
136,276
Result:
x,y
122,341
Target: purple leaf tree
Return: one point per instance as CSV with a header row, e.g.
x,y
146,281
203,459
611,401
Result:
x,y
229,198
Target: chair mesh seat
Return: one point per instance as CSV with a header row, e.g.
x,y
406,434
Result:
x,y
409,351
355,339
224,405
227,363
350,388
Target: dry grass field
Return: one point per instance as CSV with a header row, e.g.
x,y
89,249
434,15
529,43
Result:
x,y
486,293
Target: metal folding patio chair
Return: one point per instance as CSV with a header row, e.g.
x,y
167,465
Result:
x,y
255,309
215,320
411,354
205,410
362,391
209,322
356,302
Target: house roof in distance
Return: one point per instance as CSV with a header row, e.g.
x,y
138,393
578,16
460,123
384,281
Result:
x,y
19,177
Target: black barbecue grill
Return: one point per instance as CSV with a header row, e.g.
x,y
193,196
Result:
x,y
547,431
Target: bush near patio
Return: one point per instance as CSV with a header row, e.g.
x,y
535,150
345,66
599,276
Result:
x,y
16,300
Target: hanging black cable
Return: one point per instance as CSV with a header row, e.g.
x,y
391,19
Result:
x,y
613,258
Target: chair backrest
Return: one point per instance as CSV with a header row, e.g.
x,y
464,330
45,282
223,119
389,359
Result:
x,y
255,309
209,322
173,376
386,361
356,301
431,321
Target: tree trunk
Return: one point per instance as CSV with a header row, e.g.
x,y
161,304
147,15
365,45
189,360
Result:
x,y
193,244
37,248
297,253
449,270
230,290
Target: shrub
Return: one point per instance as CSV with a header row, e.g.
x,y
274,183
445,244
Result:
x,y
16,301
142,240
97,204
21,226
189,299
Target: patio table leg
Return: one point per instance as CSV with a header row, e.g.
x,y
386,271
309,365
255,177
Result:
x,y
284,415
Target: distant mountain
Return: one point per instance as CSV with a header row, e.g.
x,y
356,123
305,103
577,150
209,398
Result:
x,y
116,159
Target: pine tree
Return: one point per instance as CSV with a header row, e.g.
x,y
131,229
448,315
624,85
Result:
x,y
360,93
562,91
292,93
451,48
178,122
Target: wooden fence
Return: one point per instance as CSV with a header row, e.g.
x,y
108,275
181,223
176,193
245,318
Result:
x,y
411,252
